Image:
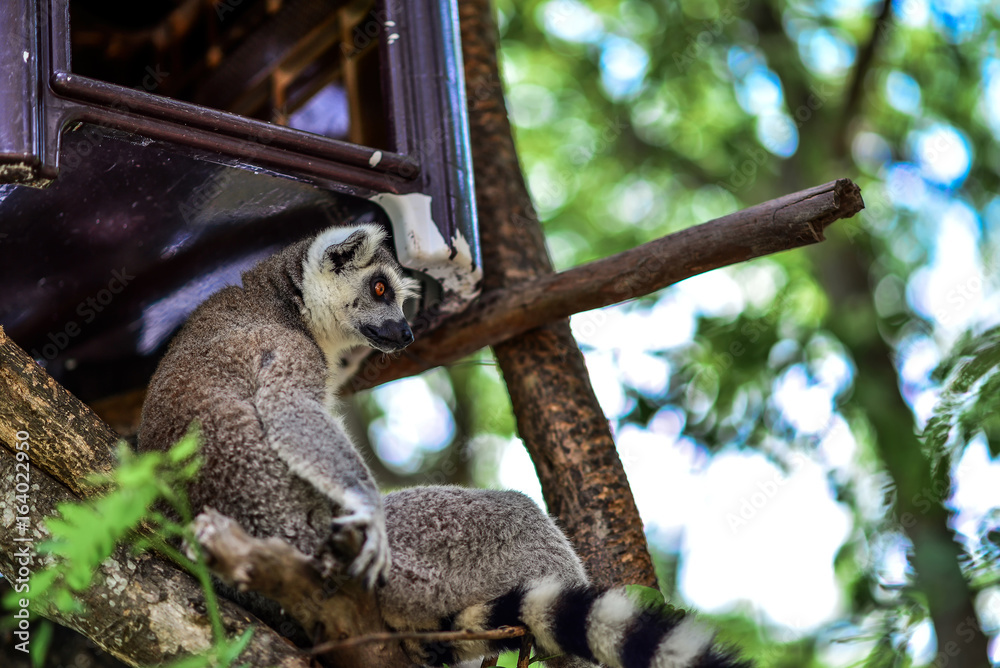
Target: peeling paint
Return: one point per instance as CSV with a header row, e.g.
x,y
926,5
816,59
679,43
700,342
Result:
x,y
421,246
392,38
375,159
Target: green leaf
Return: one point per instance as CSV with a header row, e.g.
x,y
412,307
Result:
x,y
83,535
649,598
232,651
970,400
40,642
188,445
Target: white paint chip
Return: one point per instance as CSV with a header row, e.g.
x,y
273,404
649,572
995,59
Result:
x,y
420,245
26,56
375,159
392,38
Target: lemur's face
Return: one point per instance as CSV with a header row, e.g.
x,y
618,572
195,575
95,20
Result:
x,y
354,289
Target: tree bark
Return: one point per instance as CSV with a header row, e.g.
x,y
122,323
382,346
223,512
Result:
x,y
558,416
68,440
919,505
788,222
142,610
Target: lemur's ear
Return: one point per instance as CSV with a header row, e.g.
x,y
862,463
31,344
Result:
x,y
356,249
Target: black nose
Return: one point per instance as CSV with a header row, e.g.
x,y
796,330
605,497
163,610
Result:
x,y
399,332
391,335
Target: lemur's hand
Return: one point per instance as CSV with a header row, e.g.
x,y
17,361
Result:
x,y
362,535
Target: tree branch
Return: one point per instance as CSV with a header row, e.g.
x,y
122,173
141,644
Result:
x,y
422,636
920,490
325,608
781,224
862,66
142,609
72,442
331,610
785,223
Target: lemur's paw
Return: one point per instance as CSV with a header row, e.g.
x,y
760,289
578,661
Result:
x,y
361,538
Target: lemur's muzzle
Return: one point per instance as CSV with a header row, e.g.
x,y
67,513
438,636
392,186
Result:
x,y
389,336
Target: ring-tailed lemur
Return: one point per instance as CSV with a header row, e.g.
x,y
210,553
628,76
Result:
x,y
258,367
478,559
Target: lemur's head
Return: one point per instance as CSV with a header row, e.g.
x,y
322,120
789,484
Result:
x,y
354,290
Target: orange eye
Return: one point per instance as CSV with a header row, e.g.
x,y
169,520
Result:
x,y
379,288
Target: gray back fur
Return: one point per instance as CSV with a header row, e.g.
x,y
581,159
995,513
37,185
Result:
x,y
257,365
454,547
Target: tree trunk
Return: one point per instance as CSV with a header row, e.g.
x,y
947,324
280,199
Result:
x,y
920,491
557,413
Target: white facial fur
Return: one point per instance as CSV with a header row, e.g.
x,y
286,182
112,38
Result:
x,y
336,289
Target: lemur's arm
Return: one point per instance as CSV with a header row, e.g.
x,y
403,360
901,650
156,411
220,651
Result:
x,y
289,400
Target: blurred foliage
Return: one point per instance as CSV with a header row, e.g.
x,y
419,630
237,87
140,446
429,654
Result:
x,y
127,508
971,376
637,119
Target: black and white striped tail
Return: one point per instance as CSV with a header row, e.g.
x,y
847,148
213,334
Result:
x,y
605,627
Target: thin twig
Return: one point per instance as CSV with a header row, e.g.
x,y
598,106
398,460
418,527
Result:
x,y
524,655
424,636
